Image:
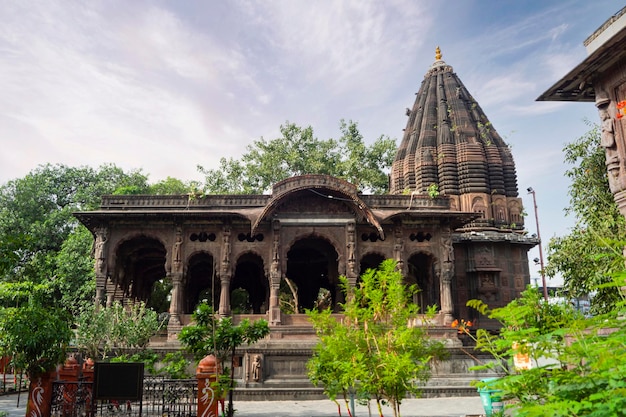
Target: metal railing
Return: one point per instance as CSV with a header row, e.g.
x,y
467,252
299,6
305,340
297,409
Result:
x,y
161,398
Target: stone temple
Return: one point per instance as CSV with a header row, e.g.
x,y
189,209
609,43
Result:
x,y
466,242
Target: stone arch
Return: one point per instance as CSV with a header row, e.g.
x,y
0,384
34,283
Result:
x,y
201,281
369,261
499,211
421,271
139,263
479,206
250,276
515,212
312,264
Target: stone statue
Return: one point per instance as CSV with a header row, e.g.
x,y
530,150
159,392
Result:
x,y
351,246
256,368
100,249
446,246
226,246
176,251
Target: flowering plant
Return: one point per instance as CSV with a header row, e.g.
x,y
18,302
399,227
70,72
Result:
x,y
462,326
621,109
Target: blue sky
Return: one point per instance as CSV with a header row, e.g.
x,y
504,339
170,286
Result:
x,y
166,85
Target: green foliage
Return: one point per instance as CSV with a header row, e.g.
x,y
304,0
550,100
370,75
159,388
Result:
x,y
375,350
74,282
34,336
578,362
299,152
104,331
172,186
148,357
175,365
592,251
210,334
433,190
41,240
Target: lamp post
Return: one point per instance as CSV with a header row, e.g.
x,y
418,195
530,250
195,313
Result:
x,y
543,275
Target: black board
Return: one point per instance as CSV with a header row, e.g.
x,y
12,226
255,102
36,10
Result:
x,y
118,381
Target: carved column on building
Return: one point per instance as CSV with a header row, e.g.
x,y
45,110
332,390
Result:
x,y
100,257
607,140
351,262
447,272
398,248
614,146
176,277
225,273
275,275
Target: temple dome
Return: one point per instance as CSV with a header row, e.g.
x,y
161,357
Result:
x,y
448,141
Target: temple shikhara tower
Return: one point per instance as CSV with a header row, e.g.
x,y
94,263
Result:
x,y
452,220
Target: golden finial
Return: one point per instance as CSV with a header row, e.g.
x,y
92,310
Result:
x,y
438,54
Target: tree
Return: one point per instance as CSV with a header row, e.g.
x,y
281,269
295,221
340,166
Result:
x,y
220,336
299,152
592,251
34,336
43,243
376,349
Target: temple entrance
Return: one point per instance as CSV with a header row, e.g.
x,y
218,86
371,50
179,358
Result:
x,y
249,286
140,263
370,261
421,271
312,265
201,283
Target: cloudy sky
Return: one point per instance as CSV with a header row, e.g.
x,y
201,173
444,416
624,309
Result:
x,y
167,85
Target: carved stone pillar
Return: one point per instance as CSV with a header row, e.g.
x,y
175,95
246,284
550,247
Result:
x,y
275,276
398,249
351,263
176,277
175,302
447,272
100,260
225,274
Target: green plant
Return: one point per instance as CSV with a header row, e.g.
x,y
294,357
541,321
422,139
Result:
x,y
148,357
175,365
433,190
101,331
374,351
220,336
34,336
577,363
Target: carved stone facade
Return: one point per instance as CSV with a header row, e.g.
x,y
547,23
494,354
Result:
x,y
240,251
312,229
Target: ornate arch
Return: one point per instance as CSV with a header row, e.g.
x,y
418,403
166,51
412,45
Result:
x,y
340,189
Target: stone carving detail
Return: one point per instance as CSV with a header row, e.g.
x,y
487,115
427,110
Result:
x,y
256,368
176,251
398,247
484,257
351,248
607,140
100,249
226,249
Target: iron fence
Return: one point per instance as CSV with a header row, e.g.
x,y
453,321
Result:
x,y
160,398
